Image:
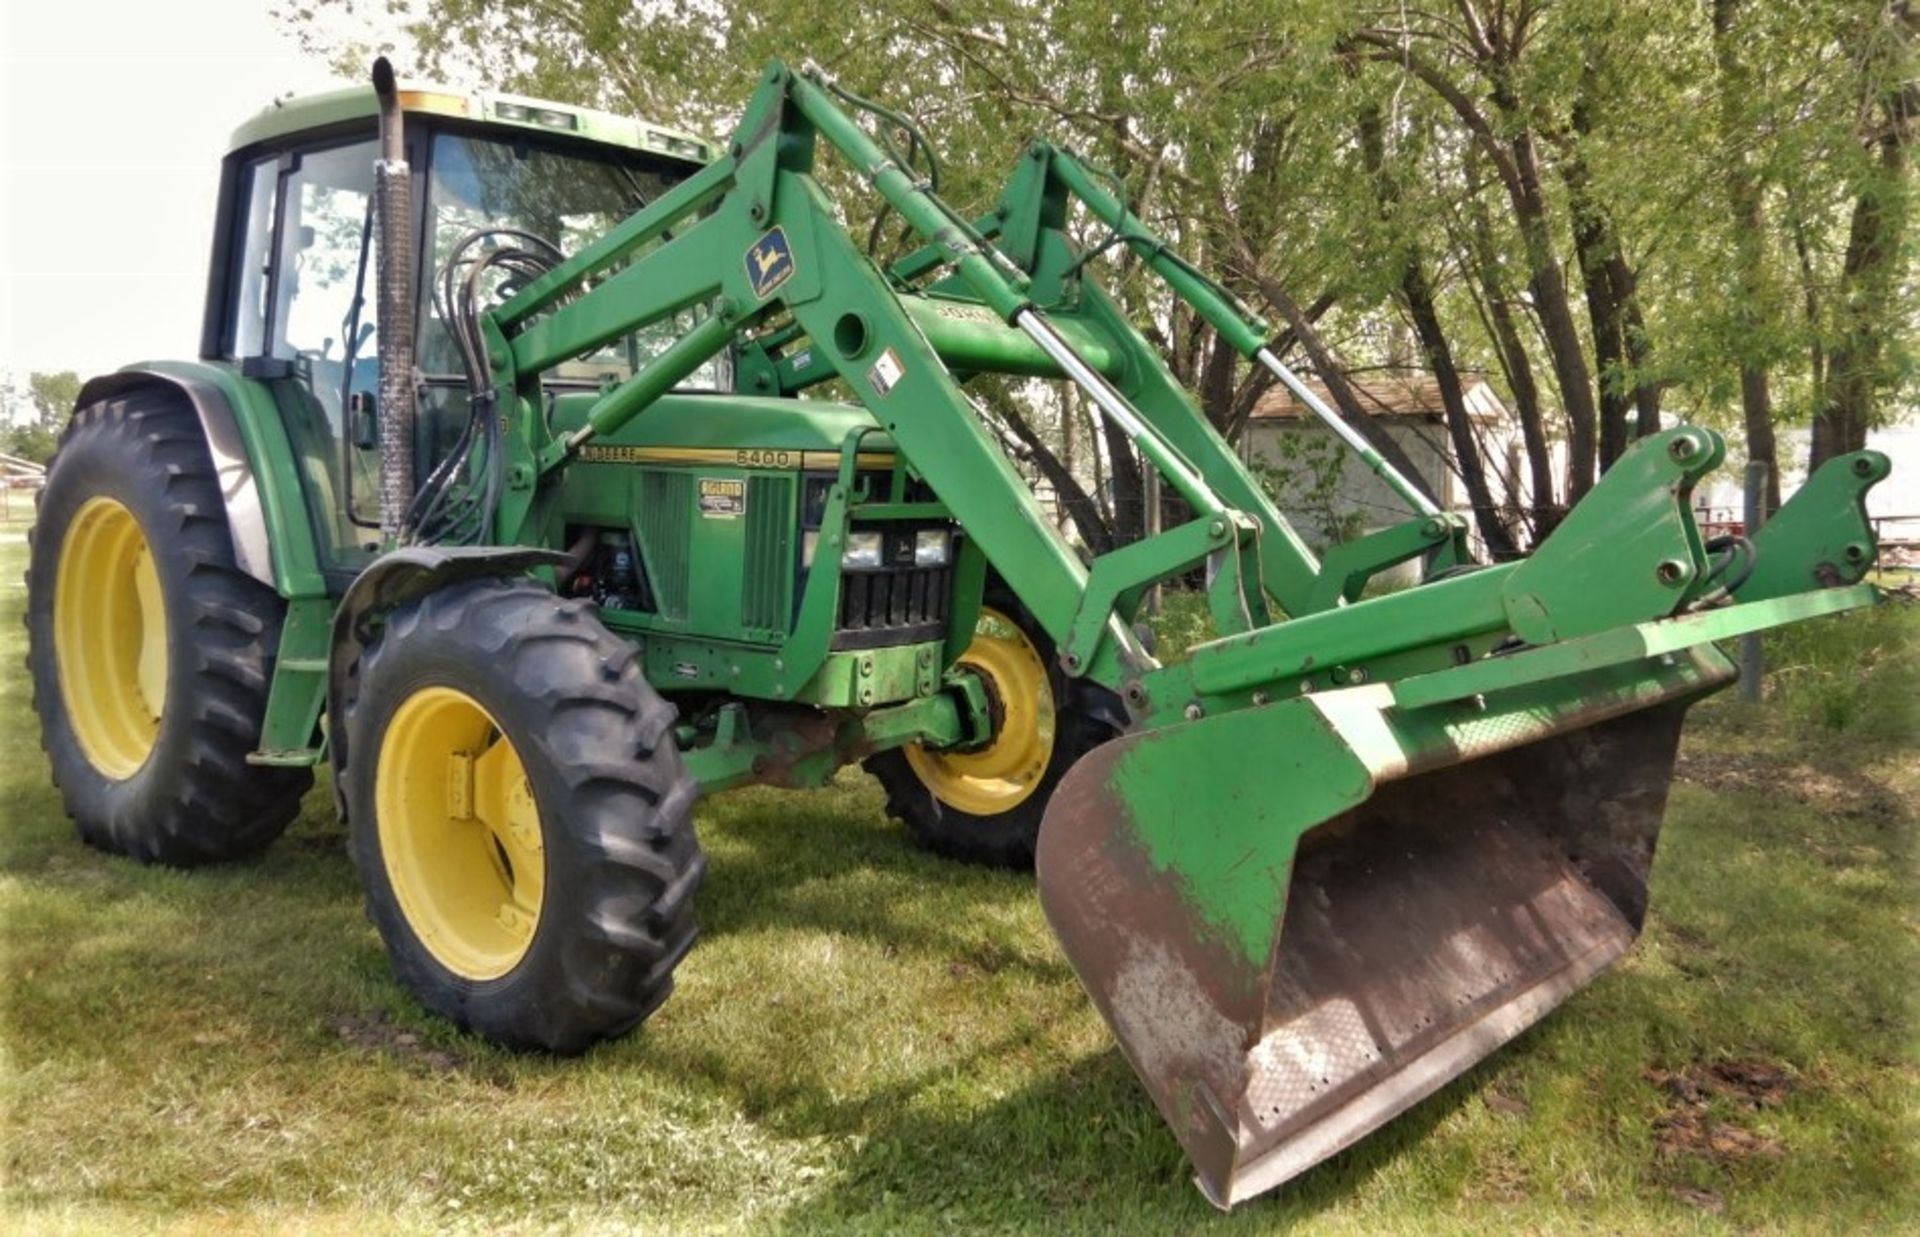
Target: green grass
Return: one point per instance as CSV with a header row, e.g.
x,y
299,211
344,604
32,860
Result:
x,y
870,1038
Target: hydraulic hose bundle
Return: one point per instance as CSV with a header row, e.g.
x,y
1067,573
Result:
x,y
457,501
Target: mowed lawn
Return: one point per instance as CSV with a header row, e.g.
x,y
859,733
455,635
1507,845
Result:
x,y
871,1038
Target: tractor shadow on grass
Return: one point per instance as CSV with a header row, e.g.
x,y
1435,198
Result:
x,y
1076,1144
1081,1148
829,861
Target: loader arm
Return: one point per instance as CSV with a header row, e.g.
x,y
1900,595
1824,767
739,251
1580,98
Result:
x,y
754,243
1337,857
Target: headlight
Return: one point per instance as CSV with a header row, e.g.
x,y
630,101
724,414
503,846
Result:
x,y
932,547
863,550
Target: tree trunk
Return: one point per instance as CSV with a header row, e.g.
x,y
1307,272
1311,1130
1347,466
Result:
x,y
1129,522
1515,364
1080,506
1417,292
1875,259
1620,345
1593,246
1549,288
1260,380
1855,377
1466,451
1646,389
1591,240
1743,201
1509,146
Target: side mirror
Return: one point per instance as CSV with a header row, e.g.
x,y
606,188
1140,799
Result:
x,y
363,421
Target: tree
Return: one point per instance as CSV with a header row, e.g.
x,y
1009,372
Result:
x,y
48,401
1862,367
53,396
1722,186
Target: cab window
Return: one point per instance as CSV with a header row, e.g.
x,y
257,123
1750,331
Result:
x,y
300,298
564,198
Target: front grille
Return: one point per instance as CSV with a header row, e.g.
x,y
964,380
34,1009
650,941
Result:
x,y
898,605
665,514
766,610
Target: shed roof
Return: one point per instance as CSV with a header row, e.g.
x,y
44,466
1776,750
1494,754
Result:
x,y
1411,394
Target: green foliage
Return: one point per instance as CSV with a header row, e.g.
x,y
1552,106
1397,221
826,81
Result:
x,y
53,396
1183,621
38,414
1303,468
1852,675
1235,129
30,442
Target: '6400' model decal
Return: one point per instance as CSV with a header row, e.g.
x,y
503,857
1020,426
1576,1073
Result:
x,y
737,457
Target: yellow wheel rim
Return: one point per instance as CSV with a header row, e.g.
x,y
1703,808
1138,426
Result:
x,y
110,637
998,777
459,833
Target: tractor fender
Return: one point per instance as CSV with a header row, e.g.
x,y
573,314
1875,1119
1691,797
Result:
x,y
246,518
393,579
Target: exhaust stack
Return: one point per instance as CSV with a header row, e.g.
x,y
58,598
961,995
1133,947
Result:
x,y
393,209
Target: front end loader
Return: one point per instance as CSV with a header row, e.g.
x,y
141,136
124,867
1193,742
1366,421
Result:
x,y
507,485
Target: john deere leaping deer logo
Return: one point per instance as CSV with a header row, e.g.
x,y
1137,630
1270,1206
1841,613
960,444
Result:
x,y
769,263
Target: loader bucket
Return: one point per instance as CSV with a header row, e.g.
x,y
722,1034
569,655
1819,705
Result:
x,y
1302,918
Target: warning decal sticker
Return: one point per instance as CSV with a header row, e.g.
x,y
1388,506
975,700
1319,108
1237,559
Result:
x,y
886,372
722,498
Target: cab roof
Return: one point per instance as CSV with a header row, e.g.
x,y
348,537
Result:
x,y
317,111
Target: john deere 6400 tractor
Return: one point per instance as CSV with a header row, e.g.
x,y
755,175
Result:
x,y
505,483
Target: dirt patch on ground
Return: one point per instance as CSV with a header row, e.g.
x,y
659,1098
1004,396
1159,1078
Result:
x,y
1705,1200
1833,793
376,1034
1691,1127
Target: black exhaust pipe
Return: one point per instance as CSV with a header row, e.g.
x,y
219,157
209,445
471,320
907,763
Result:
x,y
393,210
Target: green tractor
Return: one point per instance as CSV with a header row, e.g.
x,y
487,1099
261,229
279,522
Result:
x,y
505,483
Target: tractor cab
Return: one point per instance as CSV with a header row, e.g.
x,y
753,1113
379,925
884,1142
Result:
x,y
295,258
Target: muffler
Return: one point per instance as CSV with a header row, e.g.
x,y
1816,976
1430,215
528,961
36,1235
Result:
x,y
393,212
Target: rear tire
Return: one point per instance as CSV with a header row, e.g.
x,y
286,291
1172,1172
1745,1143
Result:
x,y
150,650
950,805
597,800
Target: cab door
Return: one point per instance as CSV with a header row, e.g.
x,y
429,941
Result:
x,y
304,321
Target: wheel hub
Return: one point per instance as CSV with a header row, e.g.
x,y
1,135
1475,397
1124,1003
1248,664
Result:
x,y
1000,774
459,833
110,637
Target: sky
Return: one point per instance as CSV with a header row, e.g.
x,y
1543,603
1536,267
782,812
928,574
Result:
x,y
113,118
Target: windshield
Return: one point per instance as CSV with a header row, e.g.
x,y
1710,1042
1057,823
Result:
x,y
566,199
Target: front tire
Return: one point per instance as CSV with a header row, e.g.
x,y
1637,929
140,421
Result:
x,y
984,805
151,652
520,817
